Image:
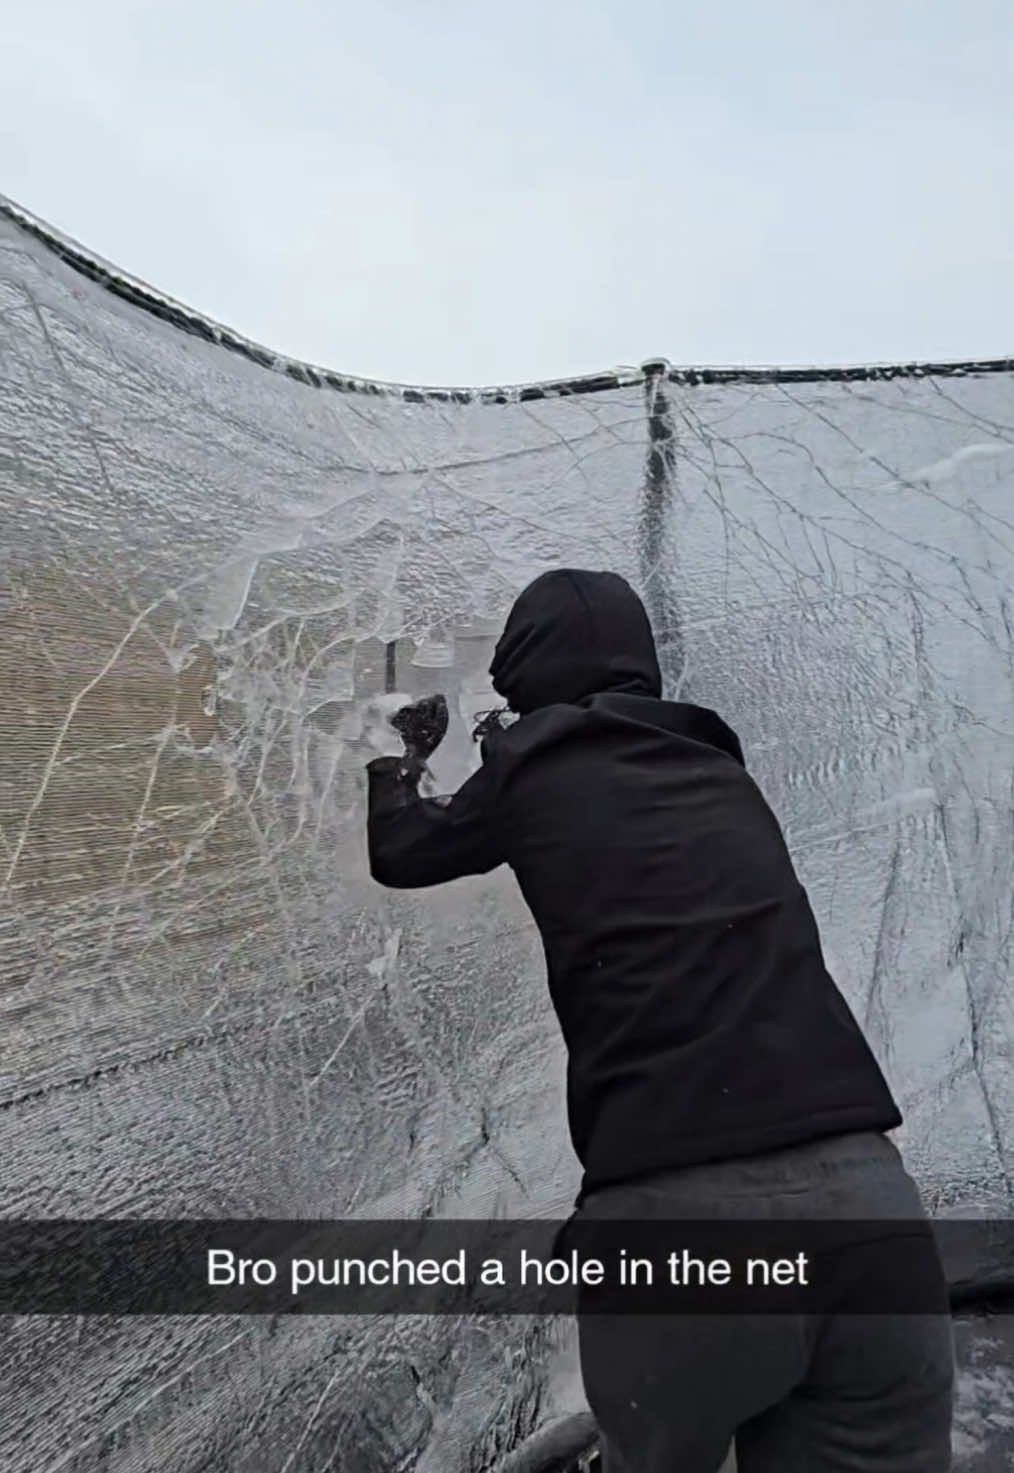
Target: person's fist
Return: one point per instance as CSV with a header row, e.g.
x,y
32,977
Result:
x,y
422,726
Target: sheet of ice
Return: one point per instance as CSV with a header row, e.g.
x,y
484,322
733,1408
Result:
x,y
219,571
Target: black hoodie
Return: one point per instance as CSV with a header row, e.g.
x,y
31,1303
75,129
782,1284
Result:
x,y
683,957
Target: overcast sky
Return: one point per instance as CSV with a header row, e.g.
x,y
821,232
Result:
x,y
444,192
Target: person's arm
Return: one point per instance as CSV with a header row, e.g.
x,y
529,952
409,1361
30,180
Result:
x,y
417,841
414,841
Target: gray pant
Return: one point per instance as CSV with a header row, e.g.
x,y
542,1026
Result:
x,y
797,1393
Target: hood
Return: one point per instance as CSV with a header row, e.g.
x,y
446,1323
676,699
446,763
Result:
x,y
571,634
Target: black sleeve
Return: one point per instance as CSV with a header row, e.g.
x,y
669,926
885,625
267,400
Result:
x,y
414,842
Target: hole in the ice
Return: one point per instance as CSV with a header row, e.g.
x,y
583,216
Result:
x,y
435,652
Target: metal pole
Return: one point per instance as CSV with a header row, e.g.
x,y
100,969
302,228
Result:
x,y
655,553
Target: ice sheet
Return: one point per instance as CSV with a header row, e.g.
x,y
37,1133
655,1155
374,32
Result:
x,y
217,567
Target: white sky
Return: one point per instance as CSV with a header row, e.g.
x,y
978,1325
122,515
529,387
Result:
x,y
445,192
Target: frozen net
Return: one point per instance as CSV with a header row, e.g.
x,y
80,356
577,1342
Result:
x,y
217,567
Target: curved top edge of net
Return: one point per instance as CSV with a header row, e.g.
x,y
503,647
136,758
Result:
x,y
157,304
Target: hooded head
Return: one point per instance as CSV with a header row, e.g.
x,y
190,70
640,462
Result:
x,y
571,634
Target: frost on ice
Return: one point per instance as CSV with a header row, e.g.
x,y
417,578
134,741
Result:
x,y
220,576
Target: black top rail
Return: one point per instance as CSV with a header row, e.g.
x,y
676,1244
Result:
x,y
157,304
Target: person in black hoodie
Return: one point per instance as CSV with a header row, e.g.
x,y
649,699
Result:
x,y
714,1068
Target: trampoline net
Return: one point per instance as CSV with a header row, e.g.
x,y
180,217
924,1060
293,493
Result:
x,y
220,571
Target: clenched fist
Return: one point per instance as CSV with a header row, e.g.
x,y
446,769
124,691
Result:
x,y
422,726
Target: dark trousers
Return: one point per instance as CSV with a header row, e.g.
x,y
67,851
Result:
x,y
796,1393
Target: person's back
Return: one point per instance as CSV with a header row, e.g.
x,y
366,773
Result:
x,y
684,962
683,959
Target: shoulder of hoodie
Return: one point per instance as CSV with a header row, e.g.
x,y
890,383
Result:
x,y
557,720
